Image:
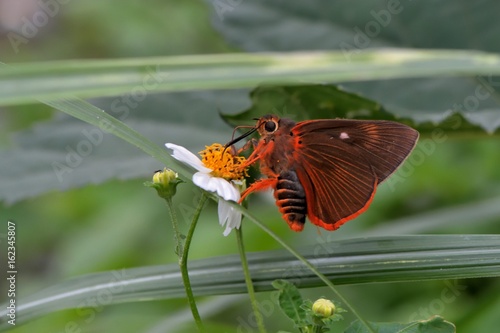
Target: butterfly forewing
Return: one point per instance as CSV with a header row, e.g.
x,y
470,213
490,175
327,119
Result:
x,y
385,144
340,162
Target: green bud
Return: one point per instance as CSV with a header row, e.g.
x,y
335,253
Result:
x,y
164,177
165,182
323,308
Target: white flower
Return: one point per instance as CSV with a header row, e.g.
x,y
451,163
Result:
x,y
205,179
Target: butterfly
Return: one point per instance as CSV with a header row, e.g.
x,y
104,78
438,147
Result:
x,y
327,169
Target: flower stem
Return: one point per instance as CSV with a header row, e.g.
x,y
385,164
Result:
x,y
312,268
183,251
317,329
248,281
175,225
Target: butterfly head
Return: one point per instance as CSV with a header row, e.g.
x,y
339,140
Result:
x,y
267,126
271,124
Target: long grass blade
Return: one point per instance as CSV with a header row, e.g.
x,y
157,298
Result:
x,y
25,83
365,260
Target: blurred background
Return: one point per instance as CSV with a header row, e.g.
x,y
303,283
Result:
x,y
120,223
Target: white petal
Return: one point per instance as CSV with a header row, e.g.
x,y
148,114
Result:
x,y
182,154
202,180
234,221
229,216
206,181
223,210
222,187
226,189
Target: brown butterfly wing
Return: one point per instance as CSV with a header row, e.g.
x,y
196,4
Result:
x,y
340,163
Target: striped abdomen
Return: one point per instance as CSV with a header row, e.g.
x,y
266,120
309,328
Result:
x,y
291,200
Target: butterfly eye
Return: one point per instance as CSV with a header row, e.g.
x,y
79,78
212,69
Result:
x,y
270,126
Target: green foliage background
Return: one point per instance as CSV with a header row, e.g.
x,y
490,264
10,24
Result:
x,y
101,218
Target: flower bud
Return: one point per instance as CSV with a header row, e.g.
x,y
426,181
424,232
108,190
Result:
x,y
165,182
165,177
323,308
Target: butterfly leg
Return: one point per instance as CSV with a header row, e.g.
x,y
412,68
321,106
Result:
x,y
260,151
250,143
260,185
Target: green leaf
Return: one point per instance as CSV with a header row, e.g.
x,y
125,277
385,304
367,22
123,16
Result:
x,y
287,26
65,152
435,324
273,25
377,259
308,102
26,83
327,101
290,302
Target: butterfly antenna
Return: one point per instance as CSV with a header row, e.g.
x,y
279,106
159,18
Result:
x,y
241,137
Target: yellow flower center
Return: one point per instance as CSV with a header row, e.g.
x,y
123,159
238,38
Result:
x,y
223,163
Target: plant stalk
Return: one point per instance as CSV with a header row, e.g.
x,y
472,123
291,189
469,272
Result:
x,y
248,280
182,251
312,268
